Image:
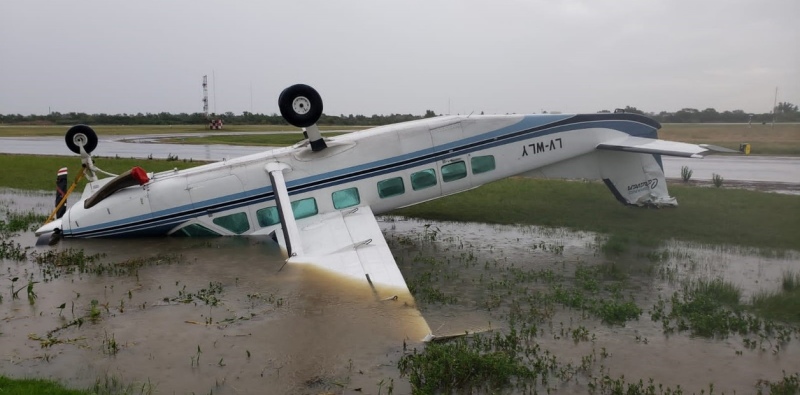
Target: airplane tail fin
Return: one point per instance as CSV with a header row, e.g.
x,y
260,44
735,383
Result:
x,y
634,178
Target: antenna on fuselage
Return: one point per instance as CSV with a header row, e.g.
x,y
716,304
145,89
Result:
x,y
301,106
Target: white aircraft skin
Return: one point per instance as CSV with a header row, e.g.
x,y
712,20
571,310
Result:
x,y
451,154
519,144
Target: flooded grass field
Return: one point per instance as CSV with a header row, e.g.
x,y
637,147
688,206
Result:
x,y
554,311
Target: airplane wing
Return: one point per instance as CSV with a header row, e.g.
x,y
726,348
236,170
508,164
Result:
x,y
663,147
350,244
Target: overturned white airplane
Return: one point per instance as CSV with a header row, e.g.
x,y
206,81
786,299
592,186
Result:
x,y
319,197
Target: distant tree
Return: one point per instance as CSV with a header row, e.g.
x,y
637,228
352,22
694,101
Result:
x,y
633,110
709,115
429,114
785,108
689,115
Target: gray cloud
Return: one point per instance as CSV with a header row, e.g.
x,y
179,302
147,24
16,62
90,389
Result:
x,y
399,56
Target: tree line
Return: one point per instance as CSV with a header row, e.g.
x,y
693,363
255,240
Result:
x,y
784,112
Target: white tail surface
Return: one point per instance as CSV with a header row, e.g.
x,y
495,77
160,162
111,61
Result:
x,y
634,178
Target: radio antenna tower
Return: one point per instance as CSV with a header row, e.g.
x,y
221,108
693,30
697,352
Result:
x,y
205,95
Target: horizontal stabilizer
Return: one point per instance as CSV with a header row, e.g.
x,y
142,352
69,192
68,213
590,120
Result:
x,y
663,147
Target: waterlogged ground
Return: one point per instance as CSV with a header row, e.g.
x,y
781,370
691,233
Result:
x,y
225,316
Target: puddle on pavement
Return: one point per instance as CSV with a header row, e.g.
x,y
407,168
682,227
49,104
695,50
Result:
x,y
224,315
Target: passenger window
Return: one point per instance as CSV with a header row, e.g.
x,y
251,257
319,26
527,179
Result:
x,y
194,230
304,208
391,187
301,209
236,223
345,198
268,216
454,171
482,164
423,179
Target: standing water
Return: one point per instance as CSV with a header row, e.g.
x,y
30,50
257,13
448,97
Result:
x,y
225,315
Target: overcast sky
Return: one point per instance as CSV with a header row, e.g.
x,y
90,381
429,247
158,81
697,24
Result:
x,y
381,57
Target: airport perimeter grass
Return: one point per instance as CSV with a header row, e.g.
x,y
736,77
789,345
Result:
x,y
705,215
34,172
782,139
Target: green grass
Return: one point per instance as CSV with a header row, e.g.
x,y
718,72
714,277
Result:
x,y
706,308
791,282
704,215
723,292
282,139
483,363
789,385
14,221
712,309
783,305
33,172
35,387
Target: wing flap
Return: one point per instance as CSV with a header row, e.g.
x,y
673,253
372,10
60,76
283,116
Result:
x,y
663,147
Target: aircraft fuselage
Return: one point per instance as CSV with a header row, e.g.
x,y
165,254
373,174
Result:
x,y
385,168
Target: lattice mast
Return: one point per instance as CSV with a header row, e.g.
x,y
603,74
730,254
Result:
x,y
205,95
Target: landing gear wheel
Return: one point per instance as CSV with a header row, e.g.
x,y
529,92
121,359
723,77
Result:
x,y
81,135
300,105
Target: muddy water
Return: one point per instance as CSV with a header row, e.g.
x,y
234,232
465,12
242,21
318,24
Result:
x,y
225,314
272,331
639,349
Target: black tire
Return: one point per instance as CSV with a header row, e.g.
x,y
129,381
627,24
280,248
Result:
x,y
300,105
81,135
